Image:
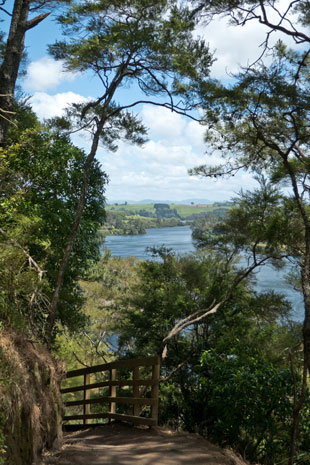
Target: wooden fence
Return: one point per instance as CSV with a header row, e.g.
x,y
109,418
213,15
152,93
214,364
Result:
x,y
138,397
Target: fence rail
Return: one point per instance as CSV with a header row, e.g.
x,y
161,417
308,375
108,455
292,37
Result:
x,y
136,401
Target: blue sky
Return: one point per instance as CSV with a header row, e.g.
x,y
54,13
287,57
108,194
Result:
x,y
159,169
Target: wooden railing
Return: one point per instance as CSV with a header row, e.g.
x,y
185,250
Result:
x,y
138,397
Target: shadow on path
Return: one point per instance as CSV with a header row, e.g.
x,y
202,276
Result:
x,y
119,444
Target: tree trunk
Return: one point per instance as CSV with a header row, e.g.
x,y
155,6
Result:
x,y
12,58
296,417
305,277
80,206
73,233
11,61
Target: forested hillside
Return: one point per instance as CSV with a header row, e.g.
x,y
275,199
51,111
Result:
x,y
235,363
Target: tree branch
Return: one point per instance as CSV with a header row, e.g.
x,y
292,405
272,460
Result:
x,y
185,322
173,372
277,27
300,151
79,360
5,11
175,109
35,21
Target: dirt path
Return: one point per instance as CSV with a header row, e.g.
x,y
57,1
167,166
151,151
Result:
x,y
118,444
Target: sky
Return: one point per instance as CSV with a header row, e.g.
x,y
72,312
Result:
x,y
159,169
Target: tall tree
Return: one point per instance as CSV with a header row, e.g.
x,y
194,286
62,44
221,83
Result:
x,y
262,124
40,177
24,17
249,413
275,126
139,43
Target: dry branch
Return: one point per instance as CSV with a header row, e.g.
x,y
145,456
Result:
x,y
7,112
188,321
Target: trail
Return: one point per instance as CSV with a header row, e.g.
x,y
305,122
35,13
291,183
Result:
x,y
118,444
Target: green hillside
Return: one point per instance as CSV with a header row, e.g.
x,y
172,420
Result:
x,y
184,211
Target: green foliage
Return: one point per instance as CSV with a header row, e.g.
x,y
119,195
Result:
x,y
242,393
119,123
261,124
122,223
106,283
164,211
41,175
203,227
147,43
165,40
248,403
128,222
250,119
170,288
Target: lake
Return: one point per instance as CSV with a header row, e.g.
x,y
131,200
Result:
x,y
179,239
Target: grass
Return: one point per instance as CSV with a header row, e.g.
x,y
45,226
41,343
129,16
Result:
x,y
183,210
188,210
132,207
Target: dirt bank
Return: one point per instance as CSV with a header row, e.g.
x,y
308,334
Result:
x,y
119,444
30,402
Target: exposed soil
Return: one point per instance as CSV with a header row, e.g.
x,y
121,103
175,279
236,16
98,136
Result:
x,y
119,444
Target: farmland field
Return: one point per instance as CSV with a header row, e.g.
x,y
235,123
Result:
x,y
183,211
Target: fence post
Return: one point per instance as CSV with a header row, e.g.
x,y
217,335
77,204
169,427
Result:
x,y
86,407
112,405
155,389
136,391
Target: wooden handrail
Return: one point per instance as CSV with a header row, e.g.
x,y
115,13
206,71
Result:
x,y
136,400
135,362
119,400
121,382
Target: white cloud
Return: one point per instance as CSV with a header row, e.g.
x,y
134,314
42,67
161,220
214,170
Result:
x,y
47,106
45,74
159,170
232,46
194,133
162,123
141,185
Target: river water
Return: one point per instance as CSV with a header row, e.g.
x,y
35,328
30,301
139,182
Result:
x,y
179,239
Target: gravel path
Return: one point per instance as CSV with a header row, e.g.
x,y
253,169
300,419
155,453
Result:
x,y
118,444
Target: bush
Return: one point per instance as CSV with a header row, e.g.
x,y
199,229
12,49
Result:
x,y
249,404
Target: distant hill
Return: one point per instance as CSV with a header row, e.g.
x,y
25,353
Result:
x,y
174,202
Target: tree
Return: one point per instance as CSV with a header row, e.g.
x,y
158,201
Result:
x,y
140,42
286,145
12,52
105,285
248,402
173,293
261,124
288,18
163,210
41,175
240,341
